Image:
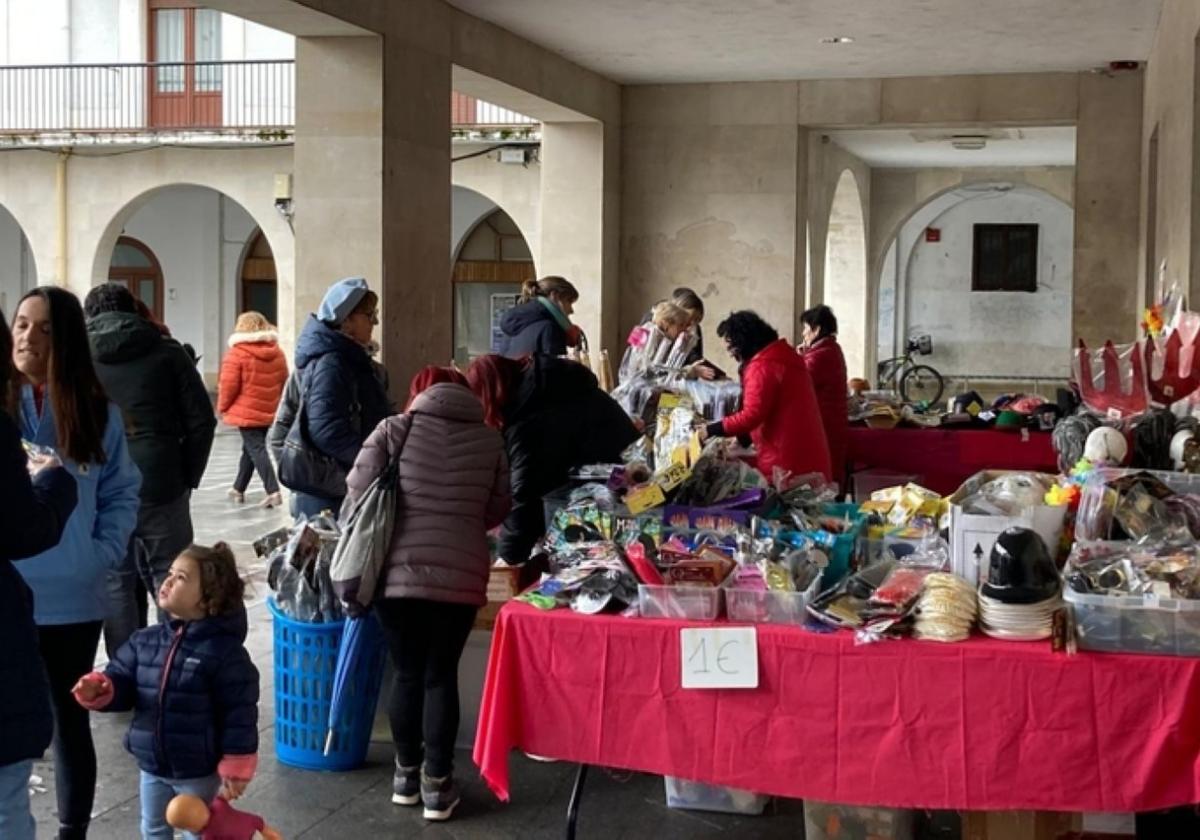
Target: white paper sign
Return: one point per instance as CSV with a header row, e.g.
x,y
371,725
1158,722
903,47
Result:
x,y
719,657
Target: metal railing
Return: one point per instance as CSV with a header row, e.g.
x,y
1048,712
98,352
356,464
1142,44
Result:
x,y
158,96
469,112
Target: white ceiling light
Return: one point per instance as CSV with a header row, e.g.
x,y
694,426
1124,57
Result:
x,y
837,39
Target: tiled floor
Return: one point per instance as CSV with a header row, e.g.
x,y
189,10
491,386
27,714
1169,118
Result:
x,y
325,805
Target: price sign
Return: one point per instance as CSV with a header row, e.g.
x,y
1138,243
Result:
x,y
719,657
644,498
672,476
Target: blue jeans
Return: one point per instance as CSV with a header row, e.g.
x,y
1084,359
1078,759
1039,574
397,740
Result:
x,y
310,506
157,792
16,820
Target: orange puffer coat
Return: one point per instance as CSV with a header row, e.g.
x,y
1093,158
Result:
x,y
253,374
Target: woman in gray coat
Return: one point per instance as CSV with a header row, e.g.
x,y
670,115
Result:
x,y
453,489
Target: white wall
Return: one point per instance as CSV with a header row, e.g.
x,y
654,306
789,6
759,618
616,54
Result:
x,y
1015,334
35,32
17,271
199,237
467,207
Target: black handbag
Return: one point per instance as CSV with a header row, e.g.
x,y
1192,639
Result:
x,y
303,468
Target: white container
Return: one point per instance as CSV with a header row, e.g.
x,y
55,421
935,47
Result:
x,y
697,796
1136,624
764,606
826,821
972,535
698,603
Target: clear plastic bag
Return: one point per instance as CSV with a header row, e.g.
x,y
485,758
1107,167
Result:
x,y
298,573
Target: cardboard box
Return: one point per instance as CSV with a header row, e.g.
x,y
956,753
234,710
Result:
x,y
502,587
1019,825
973,535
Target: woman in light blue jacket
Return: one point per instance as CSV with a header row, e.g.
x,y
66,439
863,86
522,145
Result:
x,y
62,405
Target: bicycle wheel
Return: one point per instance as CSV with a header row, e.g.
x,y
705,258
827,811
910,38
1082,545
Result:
x,y
922,384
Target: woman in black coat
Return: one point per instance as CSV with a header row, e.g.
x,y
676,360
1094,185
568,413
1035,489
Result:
x,y
32,517
541,324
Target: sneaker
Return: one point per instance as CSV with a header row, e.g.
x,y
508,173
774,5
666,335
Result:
x,y
406,785
272,500
440,796
235,494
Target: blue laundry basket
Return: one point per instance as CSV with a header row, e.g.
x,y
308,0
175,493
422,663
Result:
x,y
305,660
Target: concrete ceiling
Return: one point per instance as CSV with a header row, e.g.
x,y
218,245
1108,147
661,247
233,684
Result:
x,y
648,41
925,148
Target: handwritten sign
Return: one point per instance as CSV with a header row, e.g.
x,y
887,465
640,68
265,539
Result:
x,y
719,657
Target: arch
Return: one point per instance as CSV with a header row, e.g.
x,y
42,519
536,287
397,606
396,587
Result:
x,y
137,268
17,276
845,288
514,189
258,278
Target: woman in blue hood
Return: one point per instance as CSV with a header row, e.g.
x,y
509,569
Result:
x,y
341,398
541,324
63,406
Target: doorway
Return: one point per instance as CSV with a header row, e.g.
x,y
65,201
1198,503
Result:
x,y
259,287
136,268
185,40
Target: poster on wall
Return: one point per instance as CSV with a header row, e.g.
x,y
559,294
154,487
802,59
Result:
x,y
500,305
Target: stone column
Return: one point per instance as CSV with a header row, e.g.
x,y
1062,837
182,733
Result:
x,y
580,196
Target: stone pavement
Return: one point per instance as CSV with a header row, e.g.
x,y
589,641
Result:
x,y
337,805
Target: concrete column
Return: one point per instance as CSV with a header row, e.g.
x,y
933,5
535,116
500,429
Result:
x,y
1108,139
338,162
580,197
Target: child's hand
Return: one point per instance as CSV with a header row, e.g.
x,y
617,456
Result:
x,y
236,771
93,691
231,789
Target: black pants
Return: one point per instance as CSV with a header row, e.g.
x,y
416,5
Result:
x,y
254,457
69,650
426,640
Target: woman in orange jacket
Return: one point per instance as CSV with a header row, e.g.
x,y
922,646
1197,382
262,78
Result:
x,y
253,374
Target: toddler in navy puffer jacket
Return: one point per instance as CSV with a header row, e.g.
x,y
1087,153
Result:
x,y
192,686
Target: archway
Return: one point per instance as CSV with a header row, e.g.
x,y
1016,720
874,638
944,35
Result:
x,y
258,287
135,267
846,271
204,242
492,259
18,271
926,285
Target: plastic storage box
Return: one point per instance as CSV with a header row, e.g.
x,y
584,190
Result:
x,y
701,603
697,796
825,821
1132,624
767,607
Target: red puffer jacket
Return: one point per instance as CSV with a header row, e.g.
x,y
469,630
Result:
x,y
827,370
779,413
253,374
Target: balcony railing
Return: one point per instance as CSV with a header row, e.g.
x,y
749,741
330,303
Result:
x,y
469,112
225,96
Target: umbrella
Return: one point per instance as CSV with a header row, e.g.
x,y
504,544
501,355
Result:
x,y
359,652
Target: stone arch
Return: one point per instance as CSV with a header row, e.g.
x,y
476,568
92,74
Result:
x,y
515,190
845,281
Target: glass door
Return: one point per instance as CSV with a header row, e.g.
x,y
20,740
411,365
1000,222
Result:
x,y
185,90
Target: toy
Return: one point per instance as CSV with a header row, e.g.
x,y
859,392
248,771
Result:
x,y
1179,445
1112,400
1106,445
220,821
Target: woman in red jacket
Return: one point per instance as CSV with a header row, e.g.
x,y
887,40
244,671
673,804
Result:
x,y
827,369
779,408
253,374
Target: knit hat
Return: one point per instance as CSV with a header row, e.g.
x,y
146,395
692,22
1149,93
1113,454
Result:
x,y
341,299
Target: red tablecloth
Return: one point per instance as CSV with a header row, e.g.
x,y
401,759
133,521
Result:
x,y
948,457
982,725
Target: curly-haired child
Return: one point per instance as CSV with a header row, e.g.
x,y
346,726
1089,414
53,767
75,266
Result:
x,y
192,688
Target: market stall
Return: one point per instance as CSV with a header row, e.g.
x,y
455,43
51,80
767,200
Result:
x,y
943,458
980,725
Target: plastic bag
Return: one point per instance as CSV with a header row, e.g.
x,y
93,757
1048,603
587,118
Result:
x,y
298,573
1009,495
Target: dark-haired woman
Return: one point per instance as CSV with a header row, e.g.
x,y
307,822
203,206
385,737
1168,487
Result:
x,y
62,405
827,369
541,324
779,407
32,518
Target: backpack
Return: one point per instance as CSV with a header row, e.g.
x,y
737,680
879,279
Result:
x,y
367,527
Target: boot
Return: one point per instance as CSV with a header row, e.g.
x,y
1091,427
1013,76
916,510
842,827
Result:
x,y
406,785
439,796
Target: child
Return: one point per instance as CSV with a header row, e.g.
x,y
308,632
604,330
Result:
x,y
192,686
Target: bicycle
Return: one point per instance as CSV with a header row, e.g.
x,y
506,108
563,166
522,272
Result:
x,y
915,383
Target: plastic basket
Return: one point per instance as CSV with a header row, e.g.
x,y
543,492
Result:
x,y
844,545
305,661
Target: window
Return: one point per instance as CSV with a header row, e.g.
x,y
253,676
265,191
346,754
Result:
x,y
1005,258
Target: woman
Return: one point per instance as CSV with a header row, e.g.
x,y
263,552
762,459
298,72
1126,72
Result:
x,y
541,324
453,488
62,405
339,398
554,418
253,374
779,408
827,369
32,518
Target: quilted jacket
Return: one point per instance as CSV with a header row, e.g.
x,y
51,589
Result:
x,y
253,374
194,695
453,477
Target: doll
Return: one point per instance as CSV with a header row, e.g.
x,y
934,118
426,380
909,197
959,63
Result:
x,y
220,821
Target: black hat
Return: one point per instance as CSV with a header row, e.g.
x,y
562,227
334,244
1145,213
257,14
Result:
x,y
1020,570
